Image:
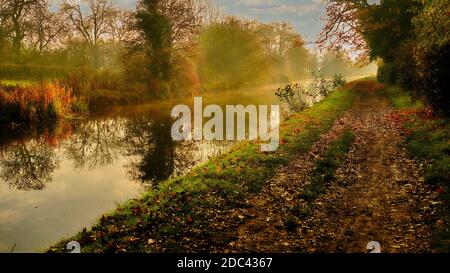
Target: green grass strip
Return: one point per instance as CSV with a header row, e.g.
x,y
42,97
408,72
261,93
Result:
x,y
325,167
428,139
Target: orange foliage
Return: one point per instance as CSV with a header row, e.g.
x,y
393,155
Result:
x,y
31,103
400,117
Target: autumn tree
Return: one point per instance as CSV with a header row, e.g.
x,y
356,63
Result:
x,y
90,21
284,38
18,13
411,37
343,28
369,30
335,62
45,30
4,27
432,52
120,27
285,47
166,27
232,54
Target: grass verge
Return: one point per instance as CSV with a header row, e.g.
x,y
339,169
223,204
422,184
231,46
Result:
x,y
12,83
321,176
324,169
175,213
428,138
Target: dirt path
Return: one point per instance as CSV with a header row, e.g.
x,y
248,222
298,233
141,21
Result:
x,y
379,195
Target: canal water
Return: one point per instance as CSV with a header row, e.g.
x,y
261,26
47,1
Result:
x,y
58,179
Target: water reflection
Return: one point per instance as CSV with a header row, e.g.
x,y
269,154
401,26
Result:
x,y
96,143
146,144
55,183
55,180
151,154
28,165
150,146
154,156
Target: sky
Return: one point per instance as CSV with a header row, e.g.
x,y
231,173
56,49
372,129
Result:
x,y
304,15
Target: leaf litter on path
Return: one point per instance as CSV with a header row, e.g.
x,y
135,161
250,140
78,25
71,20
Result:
x,y
379,194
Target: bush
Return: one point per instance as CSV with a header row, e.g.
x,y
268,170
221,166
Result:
x,y
339,80
402,100
406,67
434,78
297,98
135,66
80,106
33,103
293,96
105,79
320,85
387,73
420,64
424,74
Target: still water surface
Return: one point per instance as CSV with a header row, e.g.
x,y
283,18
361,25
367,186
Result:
x,y
58,179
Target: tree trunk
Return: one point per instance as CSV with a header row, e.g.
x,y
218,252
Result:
x,y
17,42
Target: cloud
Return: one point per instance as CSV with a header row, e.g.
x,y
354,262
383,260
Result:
x,y
277,7
255,3
287,9
303,14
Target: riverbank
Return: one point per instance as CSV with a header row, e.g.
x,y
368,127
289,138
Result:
x,y
176,213
20,97
86,97
35,103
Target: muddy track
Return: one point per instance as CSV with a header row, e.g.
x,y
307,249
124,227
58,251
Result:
x,y
379,195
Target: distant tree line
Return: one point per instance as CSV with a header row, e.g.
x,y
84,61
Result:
x,y
166,47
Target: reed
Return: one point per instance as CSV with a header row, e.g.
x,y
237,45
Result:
x,y
44,101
